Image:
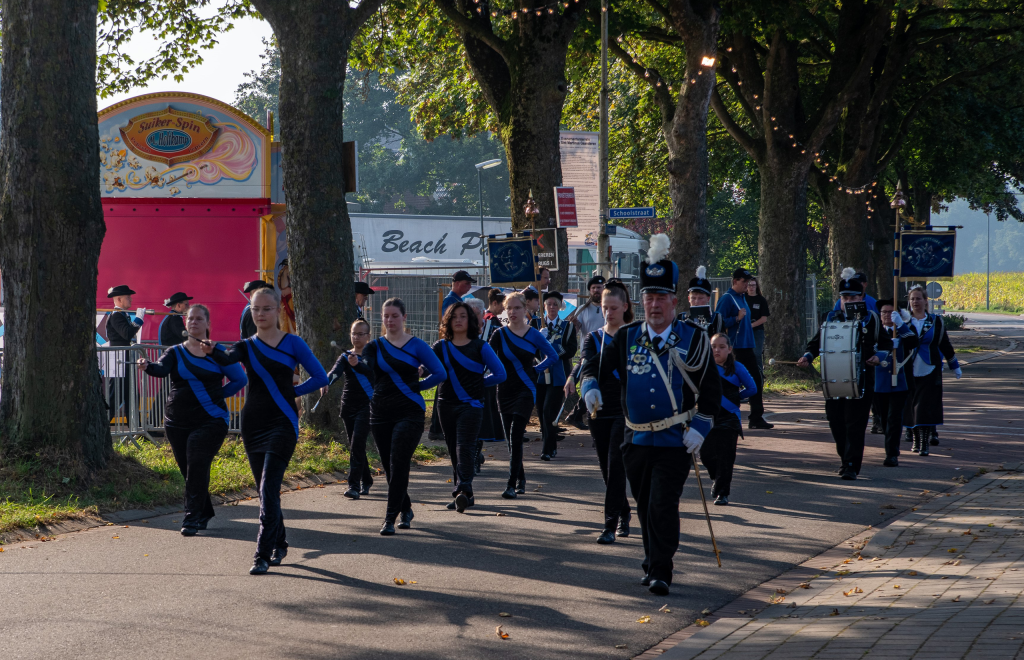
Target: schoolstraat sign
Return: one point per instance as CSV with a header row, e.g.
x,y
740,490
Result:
x,y
169,136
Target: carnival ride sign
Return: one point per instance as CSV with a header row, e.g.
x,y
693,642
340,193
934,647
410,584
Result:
x,y
927,255
169,136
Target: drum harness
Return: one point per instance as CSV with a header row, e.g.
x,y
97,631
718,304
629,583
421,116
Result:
x,y
684,367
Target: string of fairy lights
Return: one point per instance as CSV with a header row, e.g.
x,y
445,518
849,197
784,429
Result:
x,y
707,62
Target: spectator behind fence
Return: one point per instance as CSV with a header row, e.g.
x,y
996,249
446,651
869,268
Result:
x,y
759,314
461,284
363,292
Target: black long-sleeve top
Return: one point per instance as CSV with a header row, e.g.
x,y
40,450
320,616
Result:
x,y
600,367
270,420
396,380
122,328
518,392
466,366
357,388
171,329
197,394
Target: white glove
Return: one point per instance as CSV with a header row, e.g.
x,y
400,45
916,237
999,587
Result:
x,y
897,319
593,400
140,313
958,372
895,343
692,440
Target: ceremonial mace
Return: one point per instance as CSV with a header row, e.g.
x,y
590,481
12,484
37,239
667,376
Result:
x,y
707,514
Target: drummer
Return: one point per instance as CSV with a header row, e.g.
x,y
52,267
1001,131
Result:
x,y
848,418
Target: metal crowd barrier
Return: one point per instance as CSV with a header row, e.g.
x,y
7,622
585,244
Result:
x,y
135,401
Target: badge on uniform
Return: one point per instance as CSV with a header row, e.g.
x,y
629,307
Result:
x,y
640,363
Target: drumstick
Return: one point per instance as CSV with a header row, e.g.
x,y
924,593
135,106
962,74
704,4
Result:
x,y
772,362
205,342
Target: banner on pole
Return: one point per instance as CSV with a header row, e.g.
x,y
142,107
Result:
x,y
927,255
565,207
545,248
512,262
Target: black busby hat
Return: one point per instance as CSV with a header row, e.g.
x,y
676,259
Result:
x,y
660,275
849,285
363,288
119,290
742,274
256,285
596,279
177,298
553,294
701,282
462,276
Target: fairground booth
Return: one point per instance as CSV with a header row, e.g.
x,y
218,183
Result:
x,y
192,201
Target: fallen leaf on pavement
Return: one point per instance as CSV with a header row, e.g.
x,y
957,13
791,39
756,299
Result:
x,y
805,585
854,502
781,591
399,581
499,514
413,582
702,623
842,573
116,536
742,611
834,612
620,646
951,550
776,598
664,608
145,555
126,526
644,619
504,614
895,586
769,492
705,611
1,549
911,542
990,601
500,633
956,599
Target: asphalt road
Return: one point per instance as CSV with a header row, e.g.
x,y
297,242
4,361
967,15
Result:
x,y
145,591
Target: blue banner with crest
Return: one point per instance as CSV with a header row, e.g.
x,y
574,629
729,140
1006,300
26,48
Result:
x,y
927,255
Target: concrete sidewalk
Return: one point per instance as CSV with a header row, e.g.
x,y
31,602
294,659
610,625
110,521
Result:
x,y
944,581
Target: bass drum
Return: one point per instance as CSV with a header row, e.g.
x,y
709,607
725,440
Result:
x,y
841,370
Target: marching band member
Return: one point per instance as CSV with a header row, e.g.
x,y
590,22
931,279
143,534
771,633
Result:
x,y
699,297
924,406
490,425
460,398
355,409
862,280
195,417
172,329
518,344
587,318
122,326
532,299
246,326
270,421
848,418
363,292
495,305
718,453
602,394
890,399
551,381
397,408
670,396
736,315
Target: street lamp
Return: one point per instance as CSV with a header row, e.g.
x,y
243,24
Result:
x,y
480,167
988,256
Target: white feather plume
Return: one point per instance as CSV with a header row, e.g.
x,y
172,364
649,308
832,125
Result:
x,y
701,272
905,315
848,273
659,248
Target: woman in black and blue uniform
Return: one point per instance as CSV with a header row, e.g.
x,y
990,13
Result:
x,y
460,399
518,345
601,390
718,453
924,405
397,408
196,419
270,420
355,410
561,334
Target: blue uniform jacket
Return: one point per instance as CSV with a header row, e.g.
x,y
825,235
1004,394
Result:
x,y
907,341
563,340
644,395
448,300
741,334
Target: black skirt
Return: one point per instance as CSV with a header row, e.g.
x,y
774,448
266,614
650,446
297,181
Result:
x,y
490,426
924,405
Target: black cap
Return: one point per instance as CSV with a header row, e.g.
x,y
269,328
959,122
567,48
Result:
x,y
850,287
742,274
177,298
119,290
530,293
255,285
363,288
462,276
700,283
882,303
596,279
552,294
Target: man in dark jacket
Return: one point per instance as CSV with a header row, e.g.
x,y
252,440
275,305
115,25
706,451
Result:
x,y
172,328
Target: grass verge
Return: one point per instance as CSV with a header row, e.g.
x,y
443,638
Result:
x,y
787,379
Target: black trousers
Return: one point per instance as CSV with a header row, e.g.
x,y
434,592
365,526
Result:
x,y
396,442
357,427
748,359
607,433
848,421
718,454
194,450
549,402
890,414
268,471
515,429
656,478
460,424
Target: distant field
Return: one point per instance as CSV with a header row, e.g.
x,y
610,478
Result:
x,y
967,292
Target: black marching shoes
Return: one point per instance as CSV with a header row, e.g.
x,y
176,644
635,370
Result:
x,y
658,588
259,566
388,528
277,556
623,530
406,520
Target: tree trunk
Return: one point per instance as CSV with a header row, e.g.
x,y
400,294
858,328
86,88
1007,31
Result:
x,y
782,250
52,223
314,37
